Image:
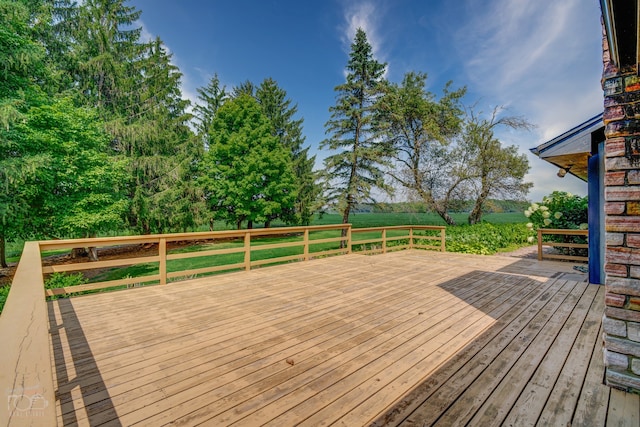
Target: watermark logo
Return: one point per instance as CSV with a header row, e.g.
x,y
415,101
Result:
x,y
27,402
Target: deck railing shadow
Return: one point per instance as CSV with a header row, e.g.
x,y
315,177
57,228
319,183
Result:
x,y
87,379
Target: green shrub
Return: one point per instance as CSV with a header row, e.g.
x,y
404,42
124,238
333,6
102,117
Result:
x,y
559,210
485,238
4,293
62,280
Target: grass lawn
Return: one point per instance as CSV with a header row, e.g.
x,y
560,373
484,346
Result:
x,y
498,232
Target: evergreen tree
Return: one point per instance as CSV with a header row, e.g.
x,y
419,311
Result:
x,y
136,89
244,88
278,109
246,172
211,99
23,62
155,136
354,130
108,50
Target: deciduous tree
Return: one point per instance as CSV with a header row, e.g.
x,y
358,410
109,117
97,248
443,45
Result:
x,y
421,129
498,171
247,171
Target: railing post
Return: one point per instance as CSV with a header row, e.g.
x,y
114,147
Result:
x,y
443,239
306,244
411,238
384,240
349,242
162,253
539,244
247,250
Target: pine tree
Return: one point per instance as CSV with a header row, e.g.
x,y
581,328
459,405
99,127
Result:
x,y
356,170
136,89
278,109
107,48
155,136
211,97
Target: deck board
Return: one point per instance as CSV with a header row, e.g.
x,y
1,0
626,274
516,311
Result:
x,y
409,337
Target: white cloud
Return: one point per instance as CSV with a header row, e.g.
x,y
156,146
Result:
x,y
542,59
365,15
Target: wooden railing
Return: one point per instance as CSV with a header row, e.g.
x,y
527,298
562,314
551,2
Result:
x,y
394,238
26,374
550,231
303,239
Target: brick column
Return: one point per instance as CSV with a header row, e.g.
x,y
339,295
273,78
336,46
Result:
x,y
621,321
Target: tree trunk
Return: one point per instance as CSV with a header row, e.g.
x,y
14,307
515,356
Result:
x,y
92,251
78,253
250,224
239,224
345,220
3,254
267,224
445,215
476,214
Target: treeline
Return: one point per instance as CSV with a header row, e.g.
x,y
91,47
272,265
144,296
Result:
x,y
95,136
491,206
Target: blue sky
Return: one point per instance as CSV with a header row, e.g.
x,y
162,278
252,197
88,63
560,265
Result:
x,y
538,59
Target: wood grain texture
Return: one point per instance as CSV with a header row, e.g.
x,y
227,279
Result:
x,y
411,337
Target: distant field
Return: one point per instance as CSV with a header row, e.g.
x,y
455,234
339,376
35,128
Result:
x,y
360,220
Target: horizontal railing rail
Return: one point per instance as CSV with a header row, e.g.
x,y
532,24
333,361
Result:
x,y
394,234
562,232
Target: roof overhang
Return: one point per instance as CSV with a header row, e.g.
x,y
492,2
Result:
x,y
571,150
621,23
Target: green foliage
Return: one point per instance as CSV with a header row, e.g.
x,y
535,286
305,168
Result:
x,y
420,129
78,193
62,280
278,109
211,97
493,169
4,293
247,171
485,238
559,210
354,129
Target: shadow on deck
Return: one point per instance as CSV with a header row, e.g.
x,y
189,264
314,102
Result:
x,y
409,337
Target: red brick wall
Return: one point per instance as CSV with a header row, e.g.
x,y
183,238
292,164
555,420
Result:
x,y
621,321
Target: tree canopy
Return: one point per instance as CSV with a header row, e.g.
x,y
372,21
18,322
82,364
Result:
x,y
247,172
96,136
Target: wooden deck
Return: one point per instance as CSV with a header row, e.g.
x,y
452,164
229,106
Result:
x,y
409,337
